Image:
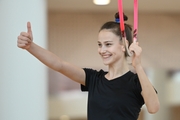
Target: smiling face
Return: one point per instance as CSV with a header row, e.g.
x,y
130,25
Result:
x,y
110,48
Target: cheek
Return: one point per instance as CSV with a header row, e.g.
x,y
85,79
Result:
x,y
120,48
98,50
117,50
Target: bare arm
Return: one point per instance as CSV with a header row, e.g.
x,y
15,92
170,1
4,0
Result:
x,y
25,41
148,92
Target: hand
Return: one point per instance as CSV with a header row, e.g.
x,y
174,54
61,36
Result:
x,y
136,50
25,38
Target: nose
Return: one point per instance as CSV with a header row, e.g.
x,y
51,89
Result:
x,y
102,49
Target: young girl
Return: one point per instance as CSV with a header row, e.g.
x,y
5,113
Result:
x,y
116,94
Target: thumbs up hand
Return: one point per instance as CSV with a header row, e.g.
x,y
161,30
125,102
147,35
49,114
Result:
x,y
25,38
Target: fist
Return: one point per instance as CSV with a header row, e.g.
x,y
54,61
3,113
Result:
x,y
25,38
136,50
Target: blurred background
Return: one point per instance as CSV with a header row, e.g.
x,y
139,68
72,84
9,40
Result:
x,y
69,28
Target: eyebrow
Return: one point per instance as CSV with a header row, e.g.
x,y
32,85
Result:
x,y
106,42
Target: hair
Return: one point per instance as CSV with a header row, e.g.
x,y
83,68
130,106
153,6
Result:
x,y
115,28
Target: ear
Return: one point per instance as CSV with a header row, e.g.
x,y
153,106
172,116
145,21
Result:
x,y
127,43
123,48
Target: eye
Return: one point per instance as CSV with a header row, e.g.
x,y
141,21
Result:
x,y
108,44
99,44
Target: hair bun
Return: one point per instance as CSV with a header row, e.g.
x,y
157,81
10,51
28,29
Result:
x,y
117,16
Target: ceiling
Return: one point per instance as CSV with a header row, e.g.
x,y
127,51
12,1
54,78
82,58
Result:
x,y
159,6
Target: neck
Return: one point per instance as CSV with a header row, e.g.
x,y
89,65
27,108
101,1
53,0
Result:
x,y
117,70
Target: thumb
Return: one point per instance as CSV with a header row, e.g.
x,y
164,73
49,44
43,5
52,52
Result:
x,y
29,29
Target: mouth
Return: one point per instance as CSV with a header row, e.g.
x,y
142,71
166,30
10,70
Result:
x,y
105,56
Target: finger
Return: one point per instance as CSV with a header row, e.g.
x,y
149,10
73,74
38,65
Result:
x,y
22,38
23,46
134,48
29,28
138,51
20,45
131,47
25,34
137,43
19,42
22,42
134,41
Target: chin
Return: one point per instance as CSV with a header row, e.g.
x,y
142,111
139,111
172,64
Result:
x,y
106,63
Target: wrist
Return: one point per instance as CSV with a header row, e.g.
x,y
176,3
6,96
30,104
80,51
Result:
x,y
30,46
138,67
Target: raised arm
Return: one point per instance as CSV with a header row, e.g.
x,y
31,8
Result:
x,y
25,41
148,92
